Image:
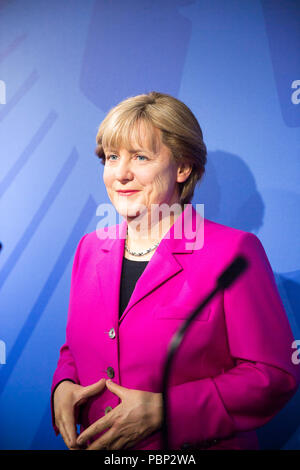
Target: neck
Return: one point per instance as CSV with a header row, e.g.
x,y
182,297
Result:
x,y
150,228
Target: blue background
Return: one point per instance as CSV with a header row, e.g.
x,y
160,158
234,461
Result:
x,y
65,63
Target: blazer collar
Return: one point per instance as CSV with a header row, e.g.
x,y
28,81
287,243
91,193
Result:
x,y
185,235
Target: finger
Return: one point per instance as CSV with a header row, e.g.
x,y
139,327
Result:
x,y
116,389
70,428
93,389
121,443
104,442
95,428
72,438
89,391
64,433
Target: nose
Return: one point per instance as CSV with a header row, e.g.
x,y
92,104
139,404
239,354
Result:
x,y
123,171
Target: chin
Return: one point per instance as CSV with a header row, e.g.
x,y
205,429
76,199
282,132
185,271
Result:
x,y
129,209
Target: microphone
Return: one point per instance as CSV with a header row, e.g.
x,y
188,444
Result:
x,y
232,272
229,275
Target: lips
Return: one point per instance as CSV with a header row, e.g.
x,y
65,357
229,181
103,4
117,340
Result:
x,y
127,193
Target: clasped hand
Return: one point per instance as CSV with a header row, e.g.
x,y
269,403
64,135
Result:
x,y
137,416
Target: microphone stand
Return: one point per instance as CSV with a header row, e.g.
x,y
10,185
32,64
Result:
x,y
231,273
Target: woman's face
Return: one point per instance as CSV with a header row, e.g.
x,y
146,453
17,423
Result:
x,y
154,177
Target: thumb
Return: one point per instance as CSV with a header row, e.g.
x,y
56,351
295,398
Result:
x,y
116,388
93,389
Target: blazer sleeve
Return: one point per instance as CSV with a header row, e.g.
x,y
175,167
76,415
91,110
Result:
x,y
263,379
66,366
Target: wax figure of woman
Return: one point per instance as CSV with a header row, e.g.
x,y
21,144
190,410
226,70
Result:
x,y
134,283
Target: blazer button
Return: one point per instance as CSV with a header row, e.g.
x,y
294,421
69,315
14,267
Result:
x,y
110,372
107,409
112,333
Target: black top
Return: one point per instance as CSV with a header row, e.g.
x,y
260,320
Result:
x,y
131,271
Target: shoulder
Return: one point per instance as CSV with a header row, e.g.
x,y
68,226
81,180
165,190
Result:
x,y
228,240
224,234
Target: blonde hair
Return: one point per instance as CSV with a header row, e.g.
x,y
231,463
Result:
x,y
179,131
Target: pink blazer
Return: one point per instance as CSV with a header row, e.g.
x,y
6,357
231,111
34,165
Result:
x,y
233,372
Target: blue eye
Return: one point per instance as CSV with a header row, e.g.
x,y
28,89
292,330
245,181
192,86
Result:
x,y
113,157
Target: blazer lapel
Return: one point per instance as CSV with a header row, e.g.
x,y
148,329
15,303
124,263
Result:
x,y
163,265
109,268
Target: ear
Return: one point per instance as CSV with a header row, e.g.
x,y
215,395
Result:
x,y
183,172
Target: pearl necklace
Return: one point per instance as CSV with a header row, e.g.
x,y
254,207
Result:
x,y
139,253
